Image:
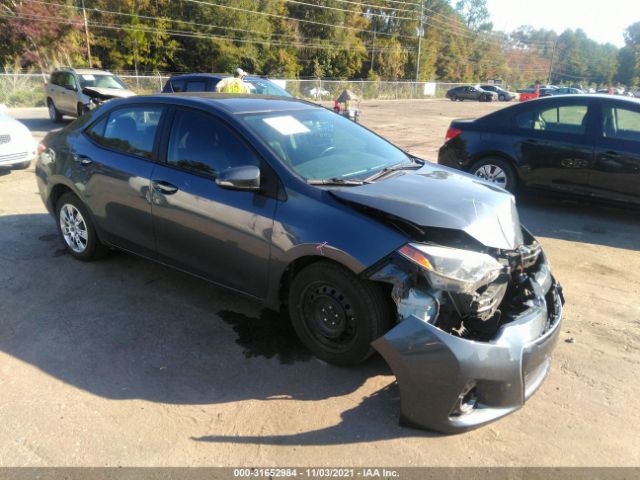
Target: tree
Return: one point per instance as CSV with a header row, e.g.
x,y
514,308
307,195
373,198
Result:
x,y
27,37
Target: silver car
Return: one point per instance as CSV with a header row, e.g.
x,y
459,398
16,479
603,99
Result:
x,y
72,91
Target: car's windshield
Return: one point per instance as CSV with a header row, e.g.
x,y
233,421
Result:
x,y
101,81
321,145
264,87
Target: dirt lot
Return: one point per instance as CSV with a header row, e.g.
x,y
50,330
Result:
x,y
124,362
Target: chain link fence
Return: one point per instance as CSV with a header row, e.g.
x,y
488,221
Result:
x,y
27,89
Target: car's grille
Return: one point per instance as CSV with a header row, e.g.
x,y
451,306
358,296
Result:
x,y
5,139
14,156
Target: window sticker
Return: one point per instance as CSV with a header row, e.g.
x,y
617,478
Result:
x,y
89,77
286,125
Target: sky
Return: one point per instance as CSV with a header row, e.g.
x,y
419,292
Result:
x,y
601,21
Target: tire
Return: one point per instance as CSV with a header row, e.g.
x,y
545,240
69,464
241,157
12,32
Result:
x,y
361,310
91,249
21,166
452,98
54,114
489,168
502,98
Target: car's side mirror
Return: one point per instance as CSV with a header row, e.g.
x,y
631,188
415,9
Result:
x,y
240,178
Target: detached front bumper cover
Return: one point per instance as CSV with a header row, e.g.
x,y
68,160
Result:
x,y
451,384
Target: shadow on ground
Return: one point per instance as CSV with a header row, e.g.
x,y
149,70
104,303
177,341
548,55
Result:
x,y
580,220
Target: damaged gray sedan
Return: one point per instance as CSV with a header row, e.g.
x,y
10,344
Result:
x,y
366,246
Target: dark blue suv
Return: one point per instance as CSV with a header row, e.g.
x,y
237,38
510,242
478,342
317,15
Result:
x,y
206,82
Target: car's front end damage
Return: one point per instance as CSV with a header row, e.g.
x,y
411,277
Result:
x,y
479,311
465,358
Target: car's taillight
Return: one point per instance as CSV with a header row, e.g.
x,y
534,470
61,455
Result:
x,y
41,148
452,133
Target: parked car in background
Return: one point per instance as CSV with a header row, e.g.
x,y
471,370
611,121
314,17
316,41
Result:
x,y
503,95
586,145
17,146
206,82
563,91
71,91
365,246
470,92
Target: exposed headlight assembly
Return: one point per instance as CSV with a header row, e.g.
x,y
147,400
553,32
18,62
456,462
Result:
x,y
452,269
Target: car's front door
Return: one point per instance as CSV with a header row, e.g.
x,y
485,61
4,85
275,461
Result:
x,y
68,94
114,160
616,168
221,234
555,144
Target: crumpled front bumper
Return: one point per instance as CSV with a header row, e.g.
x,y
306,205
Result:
x,y
434,369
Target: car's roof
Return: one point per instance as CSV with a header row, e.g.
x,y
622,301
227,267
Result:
x,y
214,75
232,103
84,71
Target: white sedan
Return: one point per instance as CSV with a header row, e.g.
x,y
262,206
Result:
x,y
17,146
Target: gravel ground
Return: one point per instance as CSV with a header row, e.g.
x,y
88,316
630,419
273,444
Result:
x,y
124,362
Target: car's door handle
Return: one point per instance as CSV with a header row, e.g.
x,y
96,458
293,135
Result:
x,y
610,154
164,187
82,160
531,141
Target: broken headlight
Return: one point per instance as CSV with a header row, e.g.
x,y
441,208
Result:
x,y
452,269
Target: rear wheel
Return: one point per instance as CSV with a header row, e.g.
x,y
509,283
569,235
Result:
x,y
496,170
54,114
336,314
77,230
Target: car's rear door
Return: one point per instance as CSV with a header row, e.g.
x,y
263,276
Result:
x,y
616,168
113,161
220,234
555,143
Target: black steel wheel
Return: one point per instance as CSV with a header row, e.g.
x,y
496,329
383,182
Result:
x,y
336,314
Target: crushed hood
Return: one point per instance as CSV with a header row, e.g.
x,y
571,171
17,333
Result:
x,y
107,93
436,196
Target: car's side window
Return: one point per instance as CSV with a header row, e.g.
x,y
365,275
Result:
x,y
621,123
571,119
177,85
203,144
128,130
196,86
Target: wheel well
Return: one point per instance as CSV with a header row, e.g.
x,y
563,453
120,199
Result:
x,y
56,192
300,263
498,155
289,274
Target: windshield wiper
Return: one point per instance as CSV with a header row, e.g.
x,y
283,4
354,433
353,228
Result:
x,y
415,164
337,181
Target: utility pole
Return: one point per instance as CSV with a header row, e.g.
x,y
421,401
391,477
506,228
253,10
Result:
x,y
135,60
553,52
420,32
86,33
373,47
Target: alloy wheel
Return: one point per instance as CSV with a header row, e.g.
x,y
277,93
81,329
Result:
x,y
74,228
492,173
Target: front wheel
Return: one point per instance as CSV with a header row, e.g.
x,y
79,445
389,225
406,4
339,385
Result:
x,y
336,314
502,98
76,229
496,170
54,115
